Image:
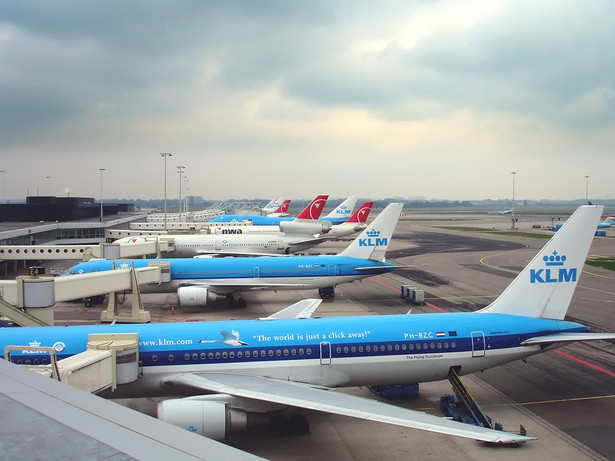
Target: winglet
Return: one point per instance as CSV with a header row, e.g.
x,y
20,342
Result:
x,y
372,243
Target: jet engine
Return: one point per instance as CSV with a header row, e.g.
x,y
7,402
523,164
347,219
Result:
x,y
305,228
213,419
194,296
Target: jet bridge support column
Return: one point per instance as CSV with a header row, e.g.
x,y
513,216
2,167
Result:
x,y
138,313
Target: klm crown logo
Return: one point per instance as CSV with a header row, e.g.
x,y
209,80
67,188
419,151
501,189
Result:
x,y
373,239
555,272
343,210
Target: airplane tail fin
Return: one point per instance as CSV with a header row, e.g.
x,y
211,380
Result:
x,y
546,285
372,243
344,209
360,216
314,209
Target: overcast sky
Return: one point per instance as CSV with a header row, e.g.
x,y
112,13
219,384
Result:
x,y
441,99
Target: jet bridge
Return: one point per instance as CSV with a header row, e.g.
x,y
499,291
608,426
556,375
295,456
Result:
x,y
84,252
29,297
109,360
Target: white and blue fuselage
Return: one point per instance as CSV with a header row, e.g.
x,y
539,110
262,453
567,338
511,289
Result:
x,y
252,273
343,351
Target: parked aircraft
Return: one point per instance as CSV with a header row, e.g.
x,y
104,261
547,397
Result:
x,y
273,205
242,366
282,210
340,214
253,244
198,281
356,223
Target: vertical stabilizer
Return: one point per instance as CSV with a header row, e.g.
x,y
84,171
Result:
x,y
360,216
344,210
314,209
546,285
372,243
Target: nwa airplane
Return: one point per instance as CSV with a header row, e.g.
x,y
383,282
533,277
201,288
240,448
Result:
x,y
340,214
241,366
356,223
252,244
199,281
273,205
282,210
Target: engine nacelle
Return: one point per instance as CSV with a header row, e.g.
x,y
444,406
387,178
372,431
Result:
x,y
305,227
194,296
213,419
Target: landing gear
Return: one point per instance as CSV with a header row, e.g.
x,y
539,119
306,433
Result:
x,y
235,300
296,424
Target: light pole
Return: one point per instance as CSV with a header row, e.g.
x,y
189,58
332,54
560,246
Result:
x,y
165,155
513,173
48,185
186,195
2,171
101,195
180,169
586,189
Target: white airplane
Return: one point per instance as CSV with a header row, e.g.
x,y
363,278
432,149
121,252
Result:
x,y
252,244
280,211
265,366
356,223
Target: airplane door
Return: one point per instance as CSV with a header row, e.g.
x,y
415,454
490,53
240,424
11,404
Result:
x,y
280,244
478,344
256,272
325,353
218,245
332,269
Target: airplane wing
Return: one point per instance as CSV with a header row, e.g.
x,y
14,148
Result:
x,y
567,338
323,399
300,310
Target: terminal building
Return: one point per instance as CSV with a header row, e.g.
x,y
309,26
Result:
x,y
49,220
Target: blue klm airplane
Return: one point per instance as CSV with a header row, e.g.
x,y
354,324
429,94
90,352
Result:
x,y
241,366
199,281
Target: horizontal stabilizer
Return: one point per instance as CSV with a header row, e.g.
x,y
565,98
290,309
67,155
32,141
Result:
x,y
567,338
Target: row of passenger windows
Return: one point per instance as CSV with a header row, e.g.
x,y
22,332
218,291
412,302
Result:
x,y
398,347
249,272
339,350
241,354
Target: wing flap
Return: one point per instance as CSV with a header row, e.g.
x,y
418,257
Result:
x,y
321,399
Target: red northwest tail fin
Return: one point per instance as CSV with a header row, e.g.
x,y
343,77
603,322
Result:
x,y
360,216
284,207
314,209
